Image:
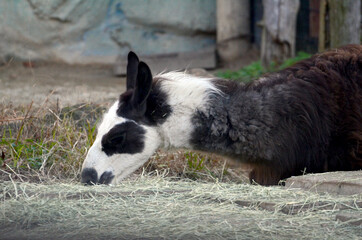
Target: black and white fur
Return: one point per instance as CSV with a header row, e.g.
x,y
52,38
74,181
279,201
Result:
x,y
283,124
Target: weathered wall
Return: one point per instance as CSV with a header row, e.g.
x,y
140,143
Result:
x,y
82,31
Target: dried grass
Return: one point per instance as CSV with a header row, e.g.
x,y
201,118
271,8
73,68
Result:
x,y
43,143
160,208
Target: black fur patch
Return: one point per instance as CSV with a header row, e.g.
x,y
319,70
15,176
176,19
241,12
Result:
x,y
127,137
157,109
304,118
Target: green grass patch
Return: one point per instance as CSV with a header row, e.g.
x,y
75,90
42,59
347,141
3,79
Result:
x,y
255,69
42,142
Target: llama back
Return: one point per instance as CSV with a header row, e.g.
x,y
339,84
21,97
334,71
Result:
x,y
339,71
304,118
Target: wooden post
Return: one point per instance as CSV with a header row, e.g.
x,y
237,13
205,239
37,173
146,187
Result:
x,y
279,30
323,27
233,29
340,21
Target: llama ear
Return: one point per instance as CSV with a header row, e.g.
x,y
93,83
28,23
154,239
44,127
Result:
x,y
143,85
132,70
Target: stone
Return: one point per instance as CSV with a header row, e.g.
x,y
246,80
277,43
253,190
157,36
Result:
x,y
204,58
199,72
344,183
92,31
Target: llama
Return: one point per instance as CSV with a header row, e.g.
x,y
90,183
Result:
x,y
306,118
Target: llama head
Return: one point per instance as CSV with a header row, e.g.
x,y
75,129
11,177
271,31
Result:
x,y
125,140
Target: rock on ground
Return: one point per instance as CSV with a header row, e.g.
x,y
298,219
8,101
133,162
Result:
x,y
344,183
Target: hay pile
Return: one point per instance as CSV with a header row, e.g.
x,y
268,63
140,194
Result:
x,y
158,207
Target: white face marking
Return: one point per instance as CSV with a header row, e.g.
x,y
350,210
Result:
x,y
110,119
120,165
186,95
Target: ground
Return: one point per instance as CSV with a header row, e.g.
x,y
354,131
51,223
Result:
x,y
154,206
21,84
159,208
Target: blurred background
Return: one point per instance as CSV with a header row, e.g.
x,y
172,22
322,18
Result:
x,y
191,33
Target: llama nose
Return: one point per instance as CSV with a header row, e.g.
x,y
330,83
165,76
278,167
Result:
x,y
106,178
89,176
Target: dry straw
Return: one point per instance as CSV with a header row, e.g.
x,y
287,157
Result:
x,y
158,207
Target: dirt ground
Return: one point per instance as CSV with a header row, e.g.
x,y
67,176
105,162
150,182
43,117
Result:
x,y
23,82
58,82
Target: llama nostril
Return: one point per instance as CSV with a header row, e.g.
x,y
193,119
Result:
x,y
89,176
106,178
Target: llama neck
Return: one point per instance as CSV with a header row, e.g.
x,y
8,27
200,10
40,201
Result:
x,y
233,124
216,116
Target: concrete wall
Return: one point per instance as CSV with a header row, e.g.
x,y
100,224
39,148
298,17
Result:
x,y
83,31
